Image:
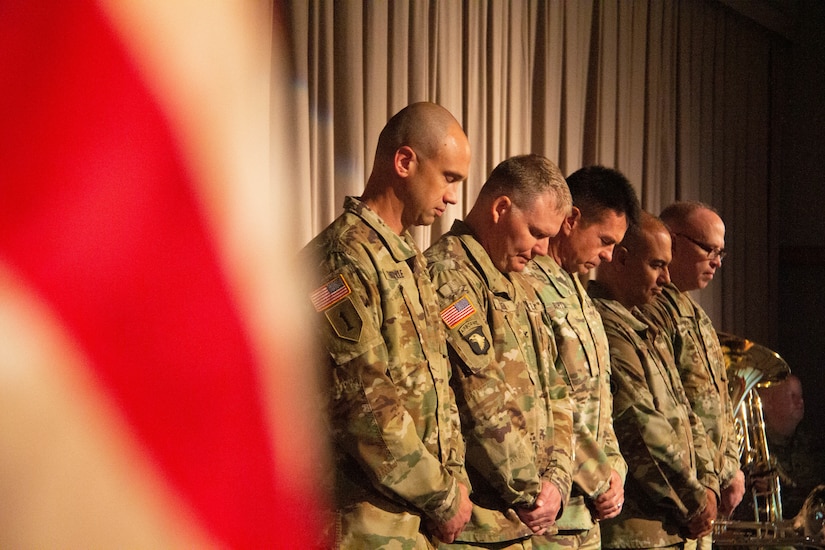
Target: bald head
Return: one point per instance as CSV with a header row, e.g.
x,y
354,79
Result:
x,y
684,216
421,158
424,126
698,243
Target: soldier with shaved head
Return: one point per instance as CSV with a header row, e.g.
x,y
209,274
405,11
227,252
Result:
x,y
399,456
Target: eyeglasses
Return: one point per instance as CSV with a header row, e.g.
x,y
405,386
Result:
x,y
712,251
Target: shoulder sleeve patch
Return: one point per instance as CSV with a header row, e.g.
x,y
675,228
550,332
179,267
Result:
x,y
473,334
345,320
457,312
330,293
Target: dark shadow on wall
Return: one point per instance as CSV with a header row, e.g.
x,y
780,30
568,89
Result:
x,y
801,227
802,323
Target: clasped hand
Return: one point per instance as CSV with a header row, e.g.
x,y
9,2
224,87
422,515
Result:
x,y
609,504
544,511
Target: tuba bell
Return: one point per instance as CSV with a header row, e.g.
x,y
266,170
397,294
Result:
x,y
750,366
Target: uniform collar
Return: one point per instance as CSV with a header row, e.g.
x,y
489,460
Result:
x,y
401,247
498,282
561,280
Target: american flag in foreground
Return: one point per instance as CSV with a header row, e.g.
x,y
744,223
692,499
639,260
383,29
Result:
x,y
147,379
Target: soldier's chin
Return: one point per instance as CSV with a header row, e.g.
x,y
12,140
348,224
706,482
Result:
x,y
518,265
585,268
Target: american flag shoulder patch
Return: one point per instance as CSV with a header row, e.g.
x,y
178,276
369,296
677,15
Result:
x,y
457,312
330,293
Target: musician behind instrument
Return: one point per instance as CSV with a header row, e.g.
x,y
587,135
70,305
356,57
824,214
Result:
x,y
800,457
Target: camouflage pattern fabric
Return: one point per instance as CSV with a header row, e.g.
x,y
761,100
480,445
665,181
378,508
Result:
x,y
583,359
590,539
664,443
516,413
521,544
397,444
702,368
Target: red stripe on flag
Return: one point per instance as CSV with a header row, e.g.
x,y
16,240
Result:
x,y
98,214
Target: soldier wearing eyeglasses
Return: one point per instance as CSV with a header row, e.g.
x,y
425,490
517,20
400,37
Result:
x,y
698,247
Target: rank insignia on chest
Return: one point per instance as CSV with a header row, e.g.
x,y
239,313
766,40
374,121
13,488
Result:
x,y
473,334
457,312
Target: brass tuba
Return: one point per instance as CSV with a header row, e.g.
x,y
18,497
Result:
x,y
750,365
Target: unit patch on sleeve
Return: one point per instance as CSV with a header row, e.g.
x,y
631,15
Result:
x,y
473,334
457,312
345,319
330,293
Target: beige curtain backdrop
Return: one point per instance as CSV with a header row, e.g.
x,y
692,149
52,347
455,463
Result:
x,y
681,96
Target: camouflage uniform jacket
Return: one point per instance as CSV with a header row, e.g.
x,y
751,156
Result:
x,y
516,413
670,465
396,440
702,368
583,360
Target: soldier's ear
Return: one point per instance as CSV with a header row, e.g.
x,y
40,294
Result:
x,y
404,161
570,221
500,207
620,255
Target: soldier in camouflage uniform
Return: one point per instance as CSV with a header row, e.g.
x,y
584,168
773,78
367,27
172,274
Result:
x,y
515,410
398,451
671,488
604,203
698,236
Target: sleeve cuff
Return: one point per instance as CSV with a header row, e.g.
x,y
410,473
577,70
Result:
x,y
448,507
